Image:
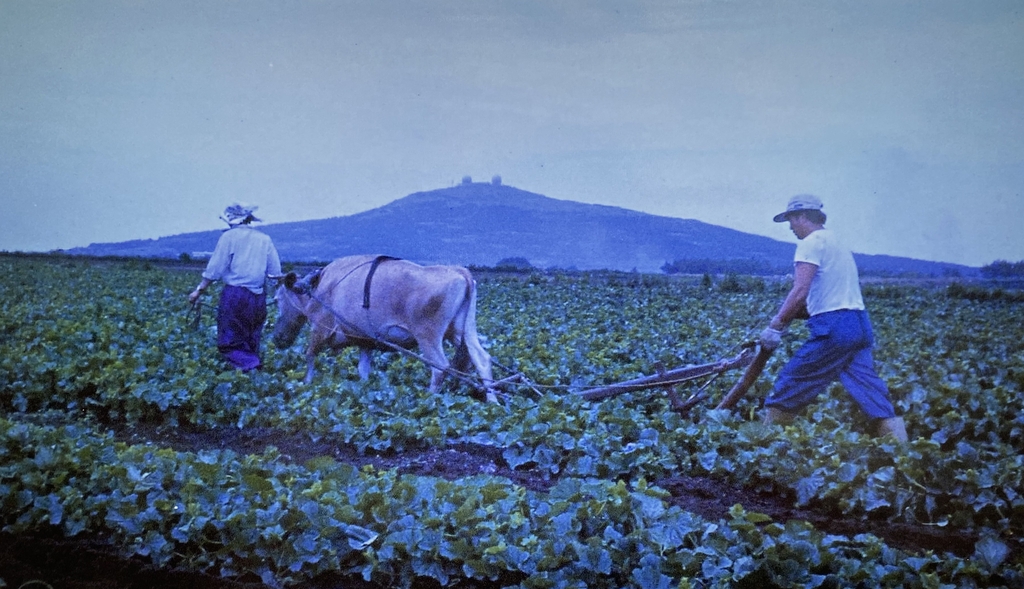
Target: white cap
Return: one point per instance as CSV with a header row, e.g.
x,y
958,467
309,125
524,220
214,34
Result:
x,y
800,202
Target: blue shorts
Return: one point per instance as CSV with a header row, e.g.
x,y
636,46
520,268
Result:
x,y
839,349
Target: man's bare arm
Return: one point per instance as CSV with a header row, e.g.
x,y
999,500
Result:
x,y
795,305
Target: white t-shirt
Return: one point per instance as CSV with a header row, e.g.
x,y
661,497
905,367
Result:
x,y
836,284
243,257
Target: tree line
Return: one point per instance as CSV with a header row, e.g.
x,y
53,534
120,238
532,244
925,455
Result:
x,y
748,267
1003,269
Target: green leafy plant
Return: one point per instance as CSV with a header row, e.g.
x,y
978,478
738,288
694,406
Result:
x,y
102,344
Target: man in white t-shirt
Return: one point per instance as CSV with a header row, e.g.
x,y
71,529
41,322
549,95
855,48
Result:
x,y
244,258
826,287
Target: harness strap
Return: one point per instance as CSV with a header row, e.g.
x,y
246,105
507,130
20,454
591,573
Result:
x,y
369,277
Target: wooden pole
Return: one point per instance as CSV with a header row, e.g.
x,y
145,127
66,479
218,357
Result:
x,y
667,378
747,380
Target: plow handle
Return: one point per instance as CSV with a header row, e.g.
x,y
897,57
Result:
x,y
747,380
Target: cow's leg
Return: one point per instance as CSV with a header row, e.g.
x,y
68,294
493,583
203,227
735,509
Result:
x,y
432,349
482,362
437,373
468,340
470,354
317,339
365,363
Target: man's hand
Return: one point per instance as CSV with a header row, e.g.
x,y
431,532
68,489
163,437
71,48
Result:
x,y
195,294
771,338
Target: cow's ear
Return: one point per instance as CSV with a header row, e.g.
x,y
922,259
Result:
x,y
289,280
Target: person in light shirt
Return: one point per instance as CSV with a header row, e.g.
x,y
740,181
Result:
x,y
826,287
244,258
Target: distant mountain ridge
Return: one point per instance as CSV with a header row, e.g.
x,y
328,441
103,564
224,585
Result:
x,y
482,224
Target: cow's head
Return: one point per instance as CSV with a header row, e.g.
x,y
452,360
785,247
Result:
x,y
291,312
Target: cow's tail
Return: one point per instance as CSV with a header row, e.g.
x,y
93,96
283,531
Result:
x,y
469,352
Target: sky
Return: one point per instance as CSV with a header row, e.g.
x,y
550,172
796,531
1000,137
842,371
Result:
x,y
133,119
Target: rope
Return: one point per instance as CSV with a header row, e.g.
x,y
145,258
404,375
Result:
x,y
193,314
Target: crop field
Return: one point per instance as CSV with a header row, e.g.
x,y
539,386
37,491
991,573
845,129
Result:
x,y
128,451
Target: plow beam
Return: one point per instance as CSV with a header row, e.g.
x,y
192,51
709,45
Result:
x,y
667,378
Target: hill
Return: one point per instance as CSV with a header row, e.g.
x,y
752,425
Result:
x,y
481,224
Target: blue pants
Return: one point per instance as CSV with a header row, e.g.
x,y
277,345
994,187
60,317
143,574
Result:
x,y
240,318
839,349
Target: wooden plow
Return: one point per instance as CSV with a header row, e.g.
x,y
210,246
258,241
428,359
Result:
x,y
753,357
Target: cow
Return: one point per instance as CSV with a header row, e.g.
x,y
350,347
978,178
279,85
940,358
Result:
x,y
365,300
